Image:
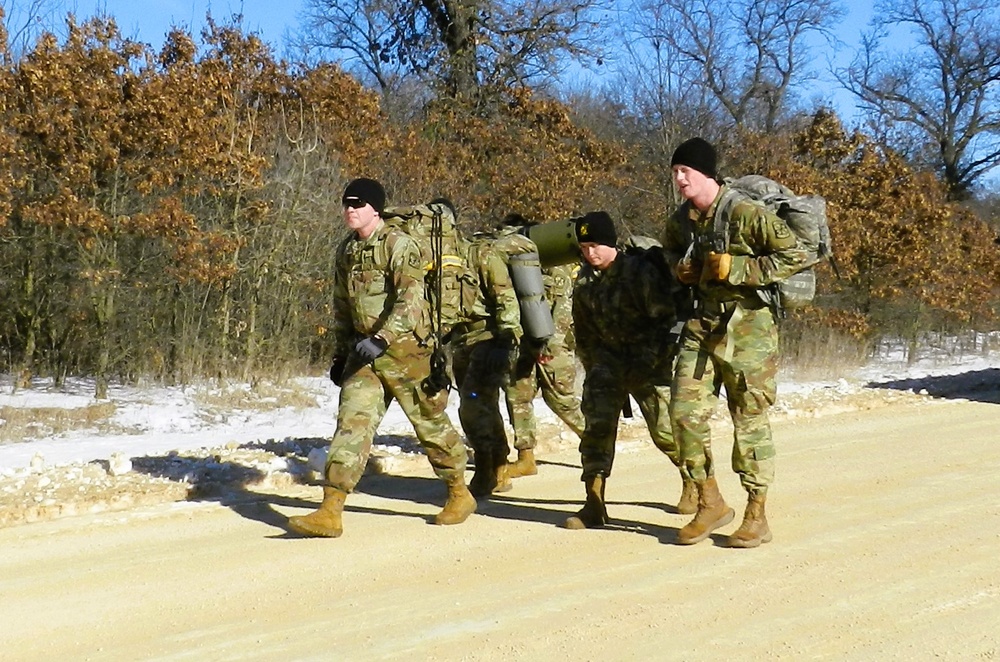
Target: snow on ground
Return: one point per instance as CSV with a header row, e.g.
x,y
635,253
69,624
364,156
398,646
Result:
x,y
154,443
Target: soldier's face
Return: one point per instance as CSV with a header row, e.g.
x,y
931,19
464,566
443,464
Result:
x,y
360,217
598,256
690,182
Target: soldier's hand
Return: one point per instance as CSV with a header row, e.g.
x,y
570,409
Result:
x,y
687,273
717,265
498,358
337,370
544,354
538,348
371,348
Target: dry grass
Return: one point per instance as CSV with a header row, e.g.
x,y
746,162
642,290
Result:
x,y
21,423
262,397
821,356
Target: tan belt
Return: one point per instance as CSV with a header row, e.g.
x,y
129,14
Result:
x,y
469,327
734,310
720,308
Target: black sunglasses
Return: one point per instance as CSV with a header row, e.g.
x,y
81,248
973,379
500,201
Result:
x,y
354,203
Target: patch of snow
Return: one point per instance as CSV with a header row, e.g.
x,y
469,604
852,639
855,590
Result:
x,y
165,443
160,419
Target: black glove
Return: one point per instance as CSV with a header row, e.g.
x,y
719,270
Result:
x,y
534,346
370,348
337,370
498,358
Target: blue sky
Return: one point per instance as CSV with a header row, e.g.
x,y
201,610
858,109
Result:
x,y
149,20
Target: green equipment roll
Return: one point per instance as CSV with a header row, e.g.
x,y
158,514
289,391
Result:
x,y
556,242
536,314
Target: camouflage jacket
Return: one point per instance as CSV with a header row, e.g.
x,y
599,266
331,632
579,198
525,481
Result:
x,y
379,288
558,282
624,313
491,308
764,250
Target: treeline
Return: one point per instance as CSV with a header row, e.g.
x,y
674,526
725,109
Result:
x,y
173,214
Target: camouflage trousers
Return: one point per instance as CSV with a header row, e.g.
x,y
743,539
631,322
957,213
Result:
x,y
366,394
557,380
741,354
479,390
606,388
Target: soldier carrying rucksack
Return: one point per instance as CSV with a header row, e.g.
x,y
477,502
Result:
x,y
381,327
623,313
484,348
732,255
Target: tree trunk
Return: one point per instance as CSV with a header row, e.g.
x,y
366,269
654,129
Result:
x,y
455,20
105,310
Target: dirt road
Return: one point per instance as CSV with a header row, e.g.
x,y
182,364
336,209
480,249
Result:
x,y
886,535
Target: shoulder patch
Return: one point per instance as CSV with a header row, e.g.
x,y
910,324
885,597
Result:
x,y
781,231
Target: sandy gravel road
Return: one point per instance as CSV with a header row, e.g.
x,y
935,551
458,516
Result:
x,y
886,535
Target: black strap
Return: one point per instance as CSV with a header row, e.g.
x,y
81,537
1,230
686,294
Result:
x,y
700,365
437,257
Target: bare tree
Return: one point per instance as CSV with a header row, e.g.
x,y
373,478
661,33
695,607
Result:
x,y
462,45
747,55
939,101
363,35
655,78
26,19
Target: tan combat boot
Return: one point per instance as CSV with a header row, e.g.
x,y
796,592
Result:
x,y
593,514
501,470
687,504
712,513
324,522
754,529
460,503
525,465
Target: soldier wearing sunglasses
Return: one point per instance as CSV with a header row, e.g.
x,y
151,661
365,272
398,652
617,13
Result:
x,y
381,322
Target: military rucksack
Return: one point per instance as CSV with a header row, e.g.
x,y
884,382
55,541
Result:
x,y
651,251
805,216
432,227
521,256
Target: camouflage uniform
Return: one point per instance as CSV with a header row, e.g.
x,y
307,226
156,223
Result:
x,y
379,288
553,370
493,324
622,317
731,341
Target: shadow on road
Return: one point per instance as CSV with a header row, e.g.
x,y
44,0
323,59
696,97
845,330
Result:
x,y
240,482
242,477
975,385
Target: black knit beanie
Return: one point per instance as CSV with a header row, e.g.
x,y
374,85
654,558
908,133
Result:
x,y
368,190
696,153
597,228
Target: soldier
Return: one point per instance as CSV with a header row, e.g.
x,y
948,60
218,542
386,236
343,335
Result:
x,y
484,347
623,311
380,325
549,366
731,341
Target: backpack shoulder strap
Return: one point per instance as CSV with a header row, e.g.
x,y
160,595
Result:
x,y
392,237
731,196
683,219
